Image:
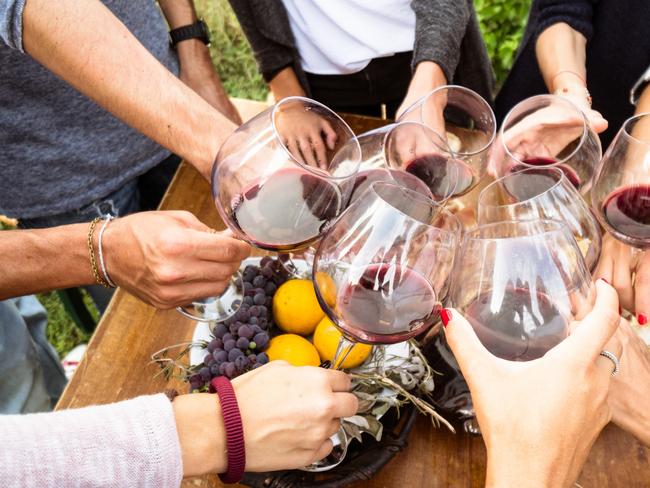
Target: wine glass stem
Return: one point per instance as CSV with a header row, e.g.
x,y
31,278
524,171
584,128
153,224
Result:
x,y
342,350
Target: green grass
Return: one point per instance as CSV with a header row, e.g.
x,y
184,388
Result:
x,y
62,332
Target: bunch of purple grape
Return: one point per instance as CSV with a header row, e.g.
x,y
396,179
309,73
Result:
x,y
239,342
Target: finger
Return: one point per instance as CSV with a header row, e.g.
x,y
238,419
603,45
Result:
x,y
339,381
203,273
307,151
217,247
613,346
320,151
323,451
471,355
642,289
333,428
591,335
292,145
346,405
330,135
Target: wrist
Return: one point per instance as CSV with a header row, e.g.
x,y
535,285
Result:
x,y
428,75
201,434
194,55
507,468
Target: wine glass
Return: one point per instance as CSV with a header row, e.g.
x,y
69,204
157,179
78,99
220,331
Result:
x,y
282,177
542,193
395,153
468,124
388,259
548,130
621,192
520,284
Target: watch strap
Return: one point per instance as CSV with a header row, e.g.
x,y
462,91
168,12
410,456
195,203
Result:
x,y
197,30
236,451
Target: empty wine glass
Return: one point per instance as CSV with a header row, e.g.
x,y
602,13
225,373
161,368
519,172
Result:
x,y
282,177
621,192
388,259
520,284
542,193
409,154
467,123
548,130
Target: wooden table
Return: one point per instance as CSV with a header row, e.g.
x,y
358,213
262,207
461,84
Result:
x,y
117,366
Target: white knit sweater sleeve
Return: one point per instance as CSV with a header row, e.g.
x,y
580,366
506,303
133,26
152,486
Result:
x,y
127,444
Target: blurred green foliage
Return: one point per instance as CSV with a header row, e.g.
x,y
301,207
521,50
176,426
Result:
x,y
502,23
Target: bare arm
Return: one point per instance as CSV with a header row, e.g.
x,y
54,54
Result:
x,y
285,84
93,51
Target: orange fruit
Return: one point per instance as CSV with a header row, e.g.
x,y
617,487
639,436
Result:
x,y
326,339
294,349
295,307
326,287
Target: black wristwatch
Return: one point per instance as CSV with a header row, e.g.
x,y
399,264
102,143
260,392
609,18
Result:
x,y
198,30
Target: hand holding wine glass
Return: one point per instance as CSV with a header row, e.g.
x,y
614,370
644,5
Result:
x,y
558,401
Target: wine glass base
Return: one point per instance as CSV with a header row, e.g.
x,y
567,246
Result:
x,y
336,457
216,309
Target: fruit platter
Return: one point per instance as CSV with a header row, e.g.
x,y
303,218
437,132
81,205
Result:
x,y
280,318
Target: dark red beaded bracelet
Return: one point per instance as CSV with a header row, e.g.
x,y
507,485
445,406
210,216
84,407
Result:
x,y
234,429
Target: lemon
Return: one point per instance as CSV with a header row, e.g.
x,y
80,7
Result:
x,y
326,340
295,307
294,349
326,287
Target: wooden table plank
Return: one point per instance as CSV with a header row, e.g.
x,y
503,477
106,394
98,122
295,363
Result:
x,y
117,366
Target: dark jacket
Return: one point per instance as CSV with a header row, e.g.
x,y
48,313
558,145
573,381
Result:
x,y
446,32
618,52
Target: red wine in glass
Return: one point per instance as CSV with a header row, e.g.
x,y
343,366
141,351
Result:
x,y
568,171
523,186
287,210
627,210
367,177
438,173
388,303
517,325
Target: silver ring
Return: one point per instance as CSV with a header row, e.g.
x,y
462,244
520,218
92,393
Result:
x,y
612,357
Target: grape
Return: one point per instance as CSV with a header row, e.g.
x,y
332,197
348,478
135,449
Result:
x,y
259,299
252,359
263,311
263,323
227,337
248,300
229,346
249,273
230,370
267,272
236,303
241,362
205,374
261,339
259,281
246,331
244,315
262,358
268,302
265,261
254,311
220,356
270,288
196,382
256,329
253,321
234,354
247,286
233,329
242,343
214,369
251,345
208,359
214,344
255,366
222,369
220,330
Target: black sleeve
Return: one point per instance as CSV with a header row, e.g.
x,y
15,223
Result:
x,y
576,13
439,29
271,55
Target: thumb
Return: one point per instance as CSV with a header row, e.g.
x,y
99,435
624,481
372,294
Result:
x,y
472,357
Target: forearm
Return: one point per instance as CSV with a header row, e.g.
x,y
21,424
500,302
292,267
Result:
x,y
507,469
46,259
94,52
561,55
285,84
179,13
427,76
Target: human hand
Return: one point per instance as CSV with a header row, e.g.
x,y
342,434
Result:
x,y
198,72
558,401
628,393
307,135
170,258
628,270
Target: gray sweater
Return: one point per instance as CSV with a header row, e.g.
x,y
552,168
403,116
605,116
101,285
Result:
x,y
446,32
59,150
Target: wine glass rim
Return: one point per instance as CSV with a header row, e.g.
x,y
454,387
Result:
x,y
551,98
554,226
475,95
626,129
415,195
302,165
491,186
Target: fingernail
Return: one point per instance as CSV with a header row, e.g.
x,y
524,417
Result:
x,y
445,316
642,318
604,280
